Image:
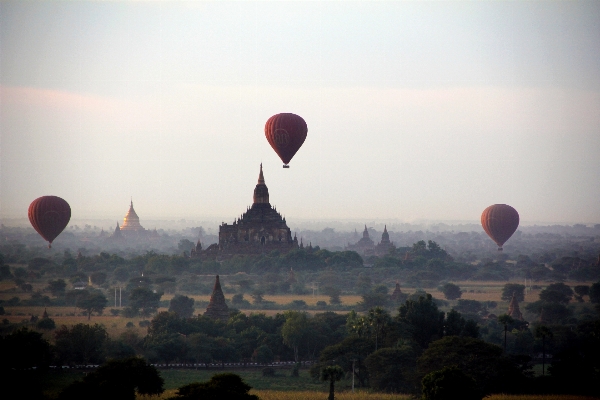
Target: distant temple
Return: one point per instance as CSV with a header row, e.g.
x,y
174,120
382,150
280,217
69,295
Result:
x,y
513,309
131,227
385,246
260,229
217,308
397,295
366,247
131,222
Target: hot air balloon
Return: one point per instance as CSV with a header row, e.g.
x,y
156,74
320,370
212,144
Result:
x,y
500,221
49,215
286,132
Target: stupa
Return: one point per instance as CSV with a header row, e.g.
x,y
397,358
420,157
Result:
x,y
131,222
217,308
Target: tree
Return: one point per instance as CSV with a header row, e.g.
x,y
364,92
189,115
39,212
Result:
x,y
425,321
580,291
595,293
144,301
449,383
92,302
293,330
505,320
98,277
263,354
379,319
167,346
515,289
480,360
333,293
221,386
182,306
24,349
349,353
332,374
451,291
46,324
557,293
117,380
392,369
543,332
81,344
456,325
57,287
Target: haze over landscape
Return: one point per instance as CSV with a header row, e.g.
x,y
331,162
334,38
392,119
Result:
x,y
415,110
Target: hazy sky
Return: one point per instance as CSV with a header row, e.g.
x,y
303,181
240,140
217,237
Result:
x,y
415,110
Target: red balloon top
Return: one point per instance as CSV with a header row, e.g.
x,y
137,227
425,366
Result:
x,y
500,221
49,215
286,132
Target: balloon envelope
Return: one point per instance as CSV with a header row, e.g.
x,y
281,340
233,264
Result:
x,y
286,132
500,221
49,215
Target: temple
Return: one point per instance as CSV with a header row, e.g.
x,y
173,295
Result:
x,y
513,309
131,222
385,246
131,228
397,295
366,247
261,229
217,308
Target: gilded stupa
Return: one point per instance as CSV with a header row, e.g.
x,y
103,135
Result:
x,y
131,222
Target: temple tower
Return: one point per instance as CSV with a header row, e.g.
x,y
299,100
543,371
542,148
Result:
x,y
217,308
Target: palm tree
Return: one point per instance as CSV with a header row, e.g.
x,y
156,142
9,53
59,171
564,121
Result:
x,y
505,320
542,331
379,319
332,374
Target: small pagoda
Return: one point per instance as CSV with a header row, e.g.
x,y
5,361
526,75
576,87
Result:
x,y
397,294
217,308
513,309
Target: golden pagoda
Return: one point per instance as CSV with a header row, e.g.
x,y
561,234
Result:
x,y
131,222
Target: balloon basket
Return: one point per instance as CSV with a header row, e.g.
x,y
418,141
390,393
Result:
x,y
285,166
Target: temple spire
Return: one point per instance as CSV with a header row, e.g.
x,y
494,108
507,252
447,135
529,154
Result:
x,y
261,192
261,178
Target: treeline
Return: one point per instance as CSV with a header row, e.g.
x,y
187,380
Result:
x,y
383,351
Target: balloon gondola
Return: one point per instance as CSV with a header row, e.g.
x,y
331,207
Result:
x,y
286,132
49,215
500,221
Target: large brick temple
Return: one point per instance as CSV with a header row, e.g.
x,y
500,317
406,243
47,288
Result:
x,y
260,229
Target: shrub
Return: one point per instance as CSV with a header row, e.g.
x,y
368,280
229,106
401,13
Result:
x,y
270,372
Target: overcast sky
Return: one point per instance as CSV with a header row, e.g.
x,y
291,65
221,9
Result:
x,y
415,110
